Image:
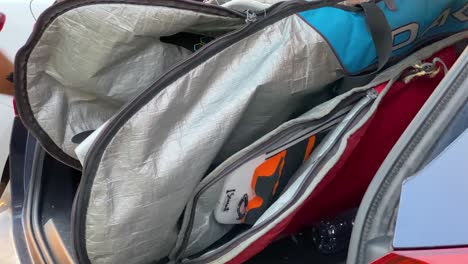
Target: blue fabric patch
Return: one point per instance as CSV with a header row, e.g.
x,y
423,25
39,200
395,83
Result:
x,y
350,39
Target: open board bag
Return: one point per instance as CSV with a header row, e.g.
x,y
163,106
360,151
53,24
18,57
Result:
x,y
204,132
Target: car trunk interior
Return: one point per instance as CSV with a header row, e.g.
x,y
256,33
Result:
x,y
341,191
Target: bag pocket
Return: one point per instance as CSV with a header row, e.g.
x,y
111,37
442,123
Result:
x,y
200,228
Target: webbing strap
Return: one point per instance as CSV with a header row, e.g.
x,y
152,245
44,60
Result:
x,y
381,34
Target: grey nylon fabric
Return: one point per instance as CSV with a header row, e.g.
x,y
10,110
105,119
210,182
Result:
x,y
155,161
93,59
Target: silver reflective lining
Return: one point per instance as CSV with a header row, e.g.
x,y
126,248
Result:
x,y
80,76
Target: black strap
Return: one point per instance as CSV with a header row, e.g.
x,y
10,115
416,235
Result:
x,y
381,34
80,137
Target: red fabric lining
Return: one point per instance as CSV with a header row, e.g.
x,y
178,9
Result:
x,y
345,184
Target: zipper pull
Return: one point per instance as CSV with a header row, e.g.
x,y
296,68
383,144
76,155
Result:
x,y
250,17
426,69
372,94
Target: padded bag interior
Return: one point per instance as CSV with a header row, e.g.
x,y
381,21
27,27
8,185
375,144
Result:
x,y
91,60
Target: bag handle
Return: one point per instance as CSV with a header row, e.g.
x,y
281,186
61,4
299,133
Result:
x,y
381,34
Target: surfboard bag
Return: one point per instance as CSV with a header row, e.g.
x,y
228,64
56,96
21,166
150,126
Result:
x,y
178,90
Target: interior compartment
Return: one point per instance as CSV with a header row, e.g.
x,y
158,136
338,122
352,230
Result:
x,y
79,77
203,228
299,248
326,242
366,148
321,203
50,187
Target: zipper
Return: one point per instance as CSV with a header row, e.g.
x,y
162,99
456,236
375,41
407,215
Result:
x,y
425,69
272,15
362,104
250,17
